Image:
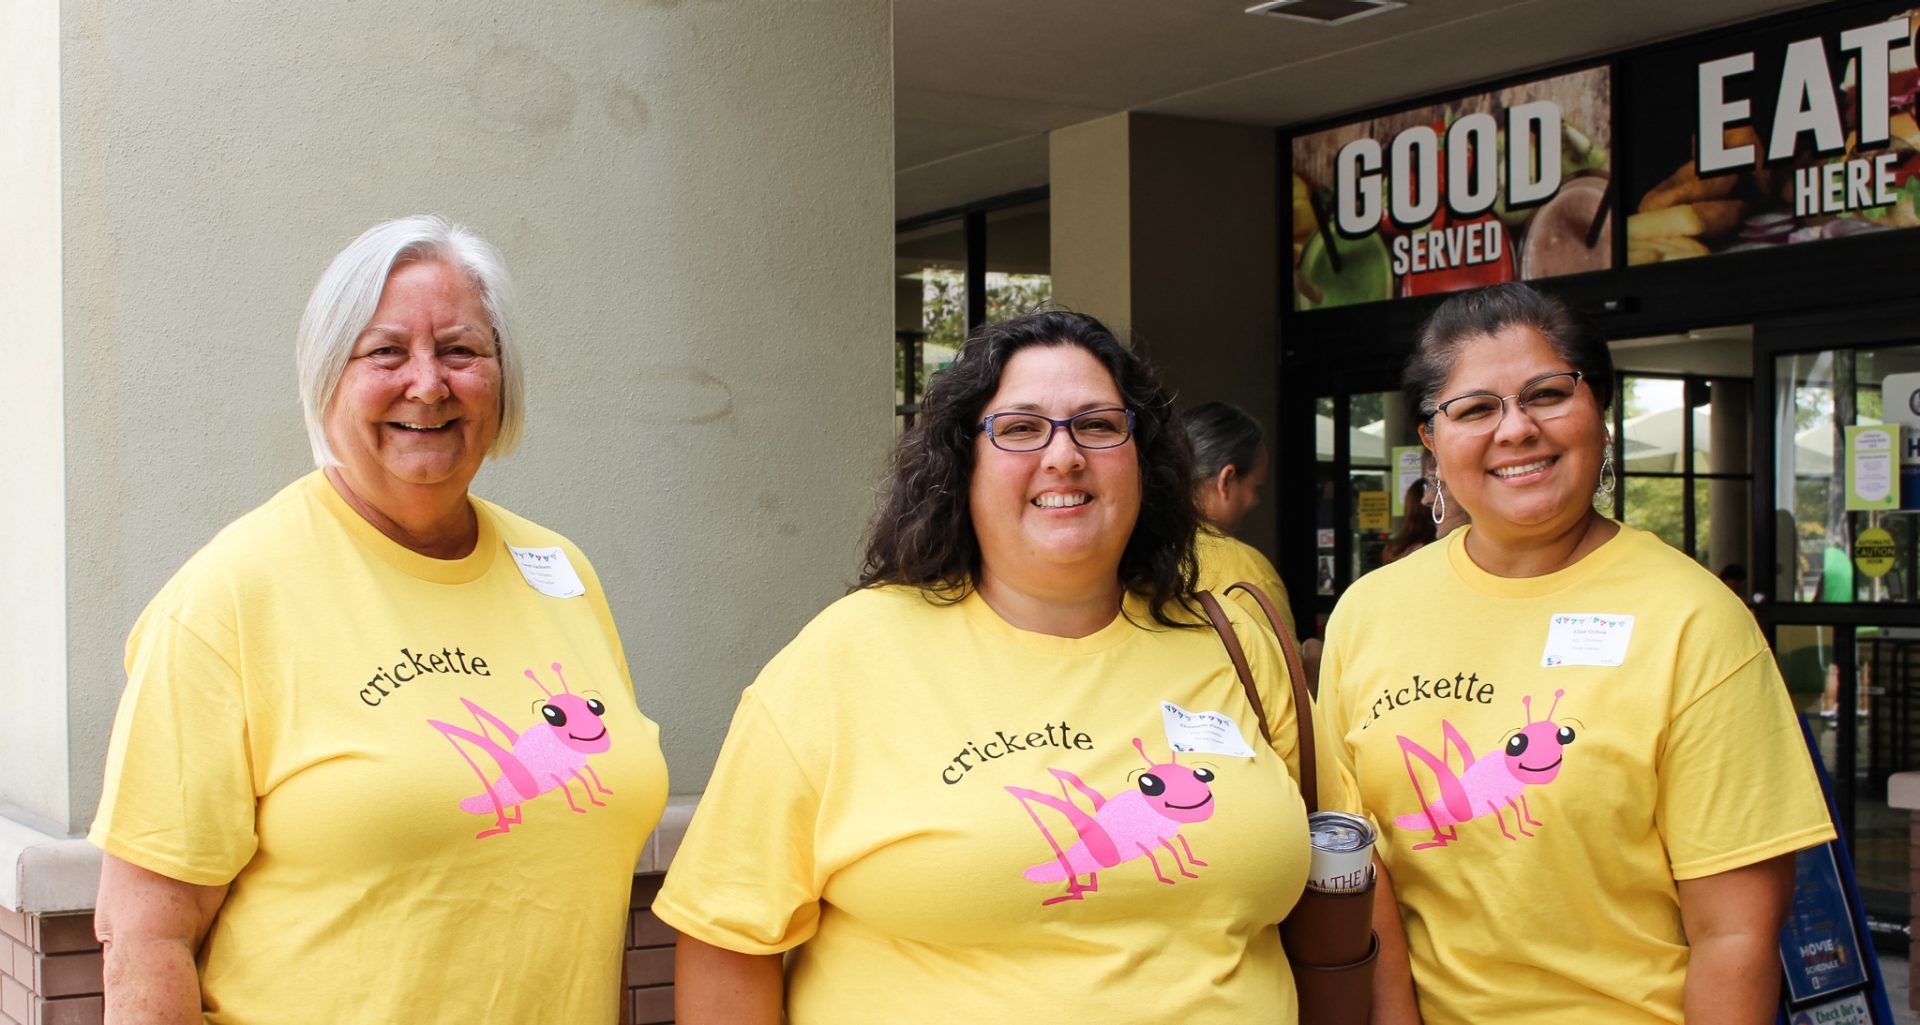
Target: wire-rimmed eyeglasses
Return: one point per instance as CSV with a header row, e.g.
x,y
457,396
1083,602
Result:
x,y
1031,432
1547,397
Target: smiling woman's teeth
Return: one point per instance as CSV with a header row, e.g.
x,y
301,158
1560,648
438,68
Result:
x,y
1515,471
1061,501
421,427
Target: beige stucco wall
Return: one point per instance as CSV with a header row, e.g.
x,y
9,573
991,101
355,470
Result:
x,y
694,196
1090,222
33,734
1165,227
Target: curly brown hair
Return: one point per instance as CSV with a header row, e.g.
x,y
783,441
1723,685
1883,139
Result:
x,y
923,535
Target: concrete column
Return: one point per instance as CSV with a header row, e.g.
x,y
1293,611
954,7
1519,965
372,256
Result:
x,y
33,591
1090,203
1165,227
662,178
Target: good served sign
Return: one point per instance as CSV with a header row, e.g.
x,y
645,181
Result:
x,y
1493,187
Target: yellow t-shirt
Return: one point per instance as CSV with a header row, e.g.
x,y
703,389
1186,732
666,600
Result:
x,y
952,819
1536,805
1225,561
310,711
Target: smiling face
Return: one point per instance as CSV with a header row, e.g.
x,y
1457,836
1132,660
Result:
x,y
1534,754
1053,523
1526,477
1175,791
575,722
418,404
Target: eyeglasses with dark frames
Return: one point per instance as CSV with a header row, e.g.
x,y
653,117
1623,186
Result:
x,y
1031,432
1547,397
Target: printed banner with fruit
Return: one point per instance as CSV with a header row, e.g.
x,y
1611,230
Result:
x,y
1794,134
1500,186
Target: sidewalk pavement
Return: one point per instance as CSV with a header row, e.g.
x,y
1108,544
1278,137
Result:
x,y
1894,971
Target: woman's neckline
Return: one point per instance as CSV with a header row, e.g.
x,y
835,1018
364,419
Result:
x,y
1539,560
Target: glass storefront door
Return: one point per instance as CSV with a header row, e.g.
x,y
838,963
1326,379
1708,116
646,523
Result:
x,y
1856,685
1841,598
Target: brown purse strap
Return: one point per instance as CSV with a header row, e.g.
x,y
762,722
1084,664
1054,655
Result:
x,y
1239,657
1296,674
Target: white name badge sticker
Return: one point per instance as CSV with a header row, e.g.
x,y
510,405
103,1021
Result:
x,y
1586,639
548,570
1202,732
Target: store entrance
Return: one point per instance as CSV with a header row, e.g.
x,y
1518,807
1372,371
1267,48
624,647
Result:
x,y
1730,444
1841,600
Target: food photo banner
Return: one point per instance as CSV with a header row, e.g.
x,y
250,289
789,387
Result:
x,y
1505,185
1798,133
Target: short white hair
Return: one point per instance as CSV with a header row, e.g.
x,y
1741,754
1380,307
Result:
x,y
343,303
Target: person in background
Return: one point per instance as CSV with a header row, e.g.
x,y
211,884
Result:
x,y
1588,777
955,795
1428,516
1416,524
1229,468
378,758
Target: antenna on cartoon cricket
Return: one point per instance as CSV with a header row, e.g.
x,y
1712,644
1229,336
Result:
x,y
1173,755
1526,702
543,687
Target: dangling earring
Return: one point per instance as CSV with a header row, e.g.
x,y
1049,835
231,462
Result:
x,y
1439,506
1606,467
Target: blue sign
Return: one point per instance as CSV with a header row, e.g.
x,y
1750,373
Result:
x,y
1824,947
1818,946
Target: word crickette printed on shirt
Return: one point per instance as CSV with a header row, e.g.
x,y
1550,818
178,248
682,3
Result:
x,y
412,665
973,755
1461,686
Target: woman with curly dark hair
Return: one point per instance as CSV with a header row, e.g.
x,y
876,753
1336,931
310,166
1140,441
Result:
x,y
985,782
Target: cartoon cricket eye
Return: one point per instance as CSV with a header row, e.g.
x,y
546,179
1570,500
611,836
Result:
x,y
1564,735
1203,775
598,709
554,715
1152,785
1516,745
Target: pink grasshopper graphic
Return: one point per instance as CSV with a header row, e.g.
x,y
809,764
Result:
x,y
1127,826
1531,757
536,761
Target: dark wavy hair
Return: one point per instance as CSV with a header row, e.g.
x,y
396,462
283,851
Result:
x,y
923,534
1221,436
1488,311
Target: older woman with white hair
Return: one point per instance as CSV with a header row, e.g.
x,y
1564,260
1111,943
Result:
x,y
378,758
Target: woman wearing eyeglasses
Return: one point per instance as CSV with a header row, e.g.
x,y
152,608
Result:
x,y
955,796
1585,768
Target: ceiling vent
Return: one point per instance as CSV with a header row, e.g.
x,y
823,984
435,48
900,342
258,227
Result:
x,y
1324,12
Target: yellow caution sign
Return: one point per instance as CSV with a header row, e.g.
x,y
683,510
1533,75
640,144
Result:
x,y
1373,512
1873,551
